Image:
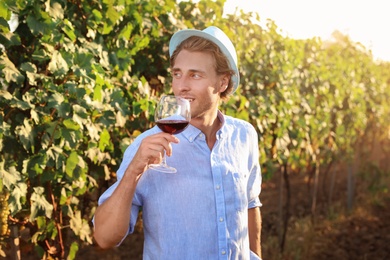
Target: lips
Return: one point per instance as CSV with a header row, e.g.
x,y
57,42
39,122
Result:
x,y
189,99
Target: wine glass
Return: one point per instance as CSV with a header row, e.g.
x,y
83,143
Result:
x,y
172,116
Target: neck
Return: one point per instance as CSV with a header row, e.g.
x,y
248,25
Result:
x,y
209,126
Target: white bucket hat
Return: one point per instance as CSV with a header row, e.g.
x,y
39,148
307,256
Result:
x,y
218,37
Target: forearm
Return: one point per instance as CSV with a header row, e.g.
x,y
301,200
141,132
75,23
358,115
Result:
x,y
112,217
254,229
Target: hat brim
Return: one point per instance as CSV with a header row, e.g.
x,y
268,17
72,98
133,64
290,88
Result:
x,y
182,35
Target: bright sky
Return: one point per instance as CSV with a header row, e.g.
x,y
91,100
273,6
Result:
x,y
365,21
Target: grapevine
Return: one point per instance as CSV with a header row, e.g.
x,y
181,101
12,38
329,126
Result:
x,y
4,212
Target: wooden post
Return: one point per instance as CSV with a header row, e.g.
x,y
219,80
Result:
x,y
350,187
15,243
281,213
315,191
331,188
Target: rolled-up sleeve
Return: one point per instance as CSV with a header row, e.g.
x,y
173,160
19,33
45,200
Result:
x,y
254,181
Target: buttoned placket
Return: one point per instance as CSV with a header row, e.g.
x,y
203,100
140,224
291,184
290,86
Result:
x,y
219,201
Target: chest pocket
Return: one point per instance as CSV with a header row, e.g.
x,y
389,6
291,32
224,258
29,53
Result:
x,y
239,182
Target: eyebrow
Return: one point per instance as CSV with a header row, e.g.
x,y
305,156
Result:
x,y
191,70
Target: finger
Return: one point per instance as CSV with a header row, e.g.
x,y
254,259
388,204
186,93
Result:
x,y
170,138
152,151
162,148
156,158
153,147
168,150
165,140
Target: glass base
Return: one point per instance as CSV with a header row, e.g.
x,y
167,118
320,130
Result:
x,y
162,168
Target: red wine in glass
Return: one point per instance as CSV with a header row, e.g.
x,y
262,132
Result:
x,y
172,126
172,116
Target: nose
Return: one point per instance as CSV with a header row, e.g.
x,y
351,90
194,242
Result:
x,y
181,85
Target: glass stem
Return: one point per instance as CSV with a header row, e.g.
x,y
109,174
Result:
x,y
164,160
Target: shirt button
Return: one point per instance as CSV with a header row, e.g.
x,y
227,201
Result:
x,y
217,187
220,219
223,252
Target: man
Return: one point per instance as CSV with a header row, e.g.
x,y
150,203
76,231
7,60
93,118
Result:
x,y
209,209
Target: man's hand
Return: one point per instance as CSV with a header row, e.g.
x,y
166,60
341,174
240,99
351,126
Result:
x,y
152,150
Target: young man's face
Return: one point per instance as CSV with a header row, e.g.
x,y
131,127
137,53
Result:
x,y
195,78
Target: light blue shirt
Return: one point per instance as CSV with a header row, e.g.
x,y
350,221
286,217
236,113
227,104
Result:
x,y
200,212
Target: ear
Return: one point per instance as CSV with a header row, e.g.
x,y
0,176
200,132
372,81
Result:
x,y
224,82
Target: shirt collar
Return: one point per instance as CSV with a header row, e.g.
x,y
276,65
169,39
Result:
x,y
221,131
